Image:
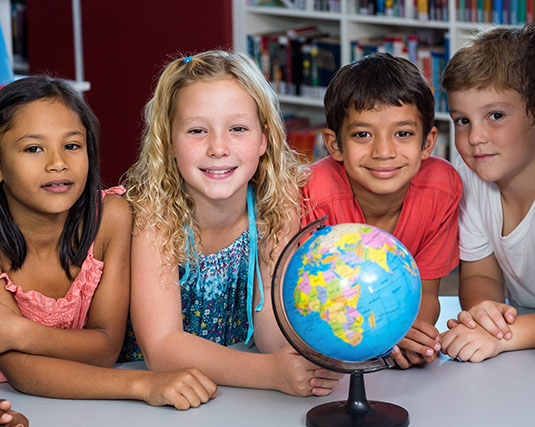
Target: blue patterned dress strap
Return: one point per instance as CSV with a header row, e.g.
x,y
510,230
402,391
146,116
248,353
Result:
x,y
253,261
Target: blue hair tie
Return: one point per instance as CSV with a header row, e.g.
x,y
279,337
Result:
x,y
187,59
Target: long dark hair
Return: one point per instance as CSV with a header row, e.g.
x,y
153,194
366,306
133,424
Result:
x,y
83,220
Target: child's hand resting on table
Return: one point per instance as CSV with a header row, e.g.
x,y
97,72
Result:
x,y
495,317
10,418
469,344
420,345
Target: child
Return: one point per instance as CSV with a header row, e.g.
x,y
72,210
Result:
x,y
10,418
490,92
380,135
64,257
214,194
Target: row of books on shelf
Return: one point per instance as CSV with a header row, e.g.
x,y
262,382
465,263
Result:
x,y
319,5
302,61
508,12
411,9
299,61
307,139
429,50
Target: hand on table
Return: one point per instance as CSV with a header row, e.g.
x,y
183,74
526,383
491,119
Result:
x,y
492,316
10,418
181,388
469,344
299,377
420,345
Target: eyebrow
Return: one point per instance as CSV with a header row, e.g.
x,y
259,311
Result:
x,y
38,136
400,123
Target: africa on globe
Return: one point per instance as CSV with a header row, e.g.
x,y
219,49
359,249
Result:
x,y
348,293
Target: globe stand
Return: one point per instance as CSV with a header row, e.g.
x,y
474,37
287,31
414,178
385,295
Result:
x,y
357,410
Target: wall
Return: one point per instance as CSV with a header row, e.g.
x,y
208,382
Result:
x,y
126,44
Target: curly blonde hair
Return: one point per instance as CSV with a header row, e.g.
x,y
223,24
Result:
x,y
155,187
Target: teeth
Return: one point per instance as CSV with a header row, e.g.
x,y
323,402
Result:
x,y
219,172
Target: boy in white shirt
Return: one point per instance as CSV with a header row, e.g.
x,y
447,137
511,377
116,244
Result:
x,y
491,95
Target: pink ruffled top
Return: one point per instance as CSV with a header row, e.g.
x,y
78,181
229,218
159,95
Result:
x,y
69,312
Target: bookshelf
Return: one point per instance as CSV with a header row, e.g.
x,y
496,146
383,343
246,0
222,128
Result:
x,y
345,21
20,63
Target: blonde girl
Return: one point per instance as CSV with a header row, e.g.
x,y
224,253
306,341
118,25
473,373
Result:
x,y
215,197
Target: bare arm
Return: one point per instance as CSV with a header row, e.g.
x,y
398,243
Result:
x,y
481,291
59,378
157,318
100,341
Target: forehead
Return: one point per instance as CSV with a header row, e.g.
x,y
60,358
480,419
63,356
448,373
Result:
x,y
383,115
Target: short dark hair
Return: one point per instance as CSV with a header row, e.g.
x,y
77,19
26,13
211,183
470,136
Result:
x,y
375,80
83,220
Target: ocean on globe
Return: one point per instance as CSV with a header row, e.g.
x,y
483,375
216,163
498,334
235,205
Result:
x,y
350,292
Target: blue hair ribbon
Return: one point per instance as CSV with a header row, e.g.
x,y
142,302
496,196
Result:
x,y
187,59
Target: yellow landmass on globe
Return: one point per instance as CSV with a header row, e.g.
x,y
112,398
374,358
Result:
x,y
338,310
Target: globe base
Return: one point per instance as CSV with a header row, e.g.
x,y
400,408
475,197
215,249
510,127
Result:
x,y
340,414
357,410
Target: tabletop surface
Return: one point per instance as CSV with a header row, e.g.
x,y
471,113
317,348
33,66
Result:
x,y
497,392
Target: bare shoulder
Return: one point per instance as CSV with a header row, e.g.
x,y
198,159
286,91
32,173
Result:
x,y
116,221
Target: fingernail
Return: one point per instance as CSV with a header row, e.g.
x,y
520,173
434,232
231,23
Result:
x,y
395,350
499,335
472,324
508,336
429,352
437,347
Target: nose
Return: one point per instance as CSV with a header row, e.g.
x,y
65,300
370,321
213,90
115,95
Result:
x,y
477,135
56,161
383,148
218,146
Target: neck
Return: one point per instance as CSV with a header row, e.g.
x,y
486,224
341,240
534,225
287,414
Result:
x,y
380,210
221,222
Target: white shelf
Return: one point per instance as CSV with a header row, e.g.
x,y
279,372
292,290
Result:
x,y
5,21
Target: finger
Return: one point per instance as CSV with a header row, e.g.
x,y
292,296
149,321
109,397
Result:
x,y
426,328
417,347
451,323
5,418
509,313
423,339
414,358
466,319
323,383
5,405
495,325
399,358
324,373
467,351
206,384
317,391
180,402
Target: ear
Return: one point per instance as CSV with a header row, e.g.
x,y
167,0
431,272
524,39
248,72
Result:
x,y
329,138
263,144
429,143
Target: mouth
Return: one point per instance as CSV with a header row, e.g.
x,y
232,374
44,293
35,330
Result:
x,y
384,171
60,186
483,156
219,173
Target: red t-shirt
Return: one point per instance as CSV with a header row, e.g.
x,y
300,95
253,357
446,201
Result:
x,y
427,225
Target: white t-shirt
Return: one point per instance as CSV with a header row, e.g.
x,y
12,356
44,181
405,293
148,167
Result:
x,y
480,234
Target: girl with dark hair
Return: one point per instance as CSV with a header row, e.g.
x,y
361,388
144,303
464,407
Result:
x,y
65,258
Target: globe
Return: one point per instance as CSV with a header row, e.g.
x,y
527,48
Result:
x,y
346,295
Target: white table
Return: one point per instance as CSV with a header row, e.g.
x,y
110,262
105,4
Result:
x,y
498,392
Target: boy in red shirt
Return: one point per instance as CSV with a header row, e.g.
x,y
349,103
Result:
x,y
380,135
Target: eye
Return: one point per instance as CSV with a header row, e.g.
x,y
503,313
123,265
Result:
x,y
33,149
461,121
361,134
496,116
238,129
404,134
196,131
72,146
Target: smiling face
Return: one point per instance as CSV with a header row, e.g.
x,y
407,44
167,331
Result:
x,y
494,135
381,149
217,139
43,159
